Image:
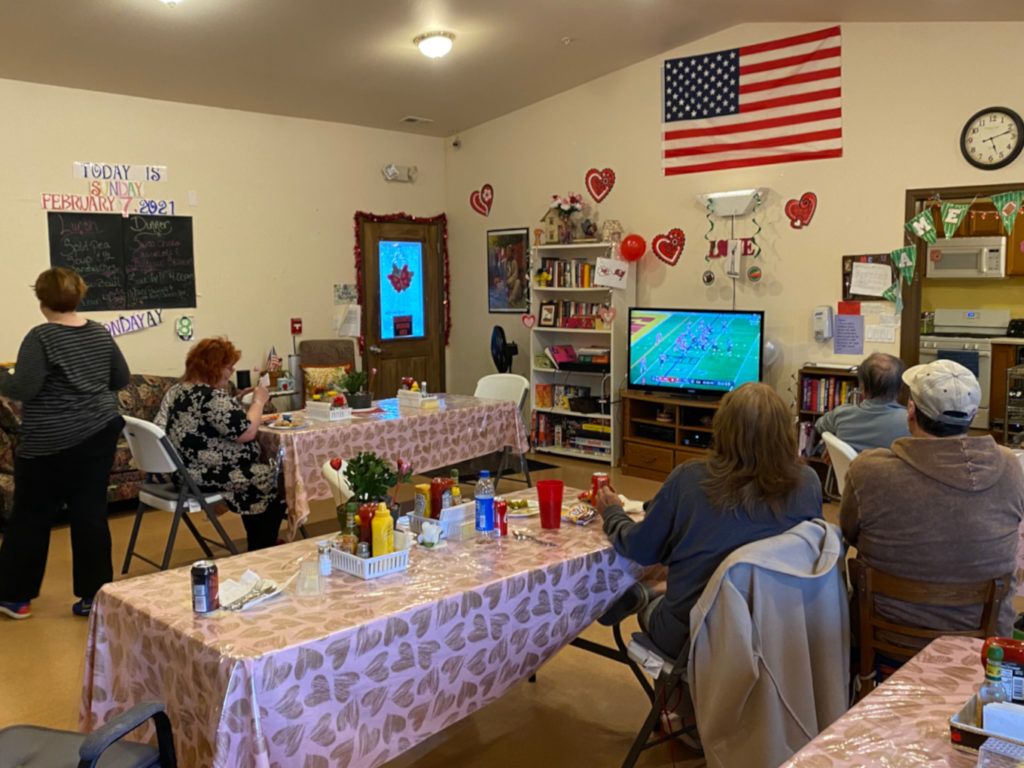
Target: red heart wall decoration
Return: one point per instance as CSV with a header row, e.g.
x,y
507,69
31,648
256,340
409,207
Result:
x,y
529,320
600,183
669,247
800,211
607,314
481,199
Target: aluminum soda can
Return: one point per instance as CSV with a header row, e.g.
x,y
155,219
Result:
x,y
599,480
205,591
501,516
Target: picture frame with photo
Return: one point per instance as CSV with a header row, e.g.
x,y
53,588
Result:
x,y
547,314
508,270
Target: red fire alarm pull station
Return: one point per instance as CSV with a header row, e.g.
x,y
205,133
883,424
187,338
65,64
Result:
x,y
296,325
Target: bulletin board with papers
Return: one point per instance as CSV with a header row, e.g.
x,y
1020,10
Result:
x,y
866,277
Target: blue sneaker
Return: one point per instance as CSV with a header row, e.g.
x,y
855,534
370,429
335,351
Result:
x,y
16,610
82,608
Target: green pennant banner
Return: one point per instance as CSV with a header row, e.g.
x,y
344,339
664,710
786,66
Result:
x,y
1007,206
952,215
895,295
923,226
904,259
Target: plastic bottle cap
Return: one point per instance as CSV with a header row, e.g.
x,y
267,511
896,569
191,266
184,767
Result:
x,y
995,652
485,473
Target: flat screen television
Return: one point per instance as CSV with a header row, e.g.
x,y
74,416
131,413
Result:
x,y
700,353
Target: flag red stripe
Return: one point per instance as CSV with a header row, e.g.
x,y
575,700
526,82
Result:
x,y
796,98
726,164
754,125
789,61
782,82
786,42
775,141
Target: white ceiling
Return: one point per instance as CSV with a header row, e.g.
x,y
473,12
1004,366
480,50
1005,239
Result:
x,y
353,61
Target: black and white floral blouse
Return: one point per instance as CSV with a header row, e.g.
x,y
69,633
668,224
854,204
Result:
x,y
204,423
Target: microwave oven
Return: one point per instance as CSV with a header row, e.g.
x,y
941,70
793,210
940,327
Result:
x,y
967,258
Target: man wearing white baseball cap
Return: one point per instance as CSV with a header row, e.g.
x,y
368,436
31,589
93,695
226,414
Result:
x,y
940,505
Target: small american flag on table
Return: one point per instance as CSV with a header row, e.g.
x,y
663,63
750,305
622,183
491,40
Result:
x,y
775,102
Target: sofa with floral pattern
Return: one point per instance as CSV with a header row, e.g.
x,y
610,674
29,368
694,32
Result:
x,y
140,398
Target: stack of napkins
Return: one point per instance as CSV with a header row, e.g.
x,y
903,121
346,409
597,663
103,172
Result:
x,y
248,591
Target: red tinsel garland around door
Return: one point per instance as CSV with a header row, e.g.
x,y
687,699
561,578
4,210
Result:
x,y
443,221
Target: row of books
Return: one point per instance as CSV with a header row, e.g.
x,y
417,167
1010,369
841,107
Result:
x,y
569,273
571,314
550,430
825,393
557,395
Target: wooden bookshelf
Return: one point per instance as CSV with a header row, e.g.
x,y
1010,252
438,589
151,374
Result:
x,y
820,390
653,446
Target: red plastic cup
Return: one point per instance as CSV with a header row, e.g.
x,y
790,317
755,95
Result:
x,y
549,496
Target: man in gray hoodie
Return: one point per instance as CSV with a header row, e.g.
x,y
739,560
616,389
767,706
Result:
x,y
939,505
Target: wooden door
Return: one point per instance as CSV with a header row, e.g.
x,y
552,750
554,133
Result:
x,y
403,302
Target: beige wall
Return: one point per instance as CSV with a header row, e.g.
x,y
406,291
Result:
x,y
273,227
908,89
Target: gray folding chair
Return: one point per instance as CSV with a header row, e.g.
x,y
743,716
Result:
x,y
154,454
514,388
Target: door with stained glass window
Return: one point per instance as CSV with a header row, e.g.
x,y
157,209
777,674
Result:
x,y
403,294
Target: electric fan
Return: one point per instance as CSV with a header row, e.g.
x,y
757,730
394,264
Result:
x,y
502,351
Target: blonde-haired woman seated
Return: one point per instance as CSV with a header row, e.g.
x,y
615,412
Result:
x,y
215,436
751,486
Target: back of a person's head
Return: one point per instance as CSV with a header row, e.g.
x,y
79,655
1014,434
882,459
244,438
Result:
x,y
936,428
208,358
880,376
59,289
753,461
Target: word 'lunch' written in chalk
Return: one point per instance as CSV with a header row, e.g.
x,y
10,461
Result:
x,y
138,262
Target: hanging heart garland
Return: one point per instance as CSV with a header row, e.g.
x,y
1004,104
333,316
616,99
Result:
x,y
600,183
669,247
481,199
801,211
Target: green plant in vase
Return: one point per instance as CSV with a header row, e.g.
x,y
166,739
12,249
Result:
x,y
369,476
355,384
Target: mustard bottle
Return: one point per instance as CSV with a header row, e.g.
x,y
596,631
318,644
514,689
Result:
x,y
383,538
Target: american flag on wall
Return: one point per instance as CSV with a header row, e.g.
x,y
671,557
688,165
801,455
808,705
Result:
x,y
776,102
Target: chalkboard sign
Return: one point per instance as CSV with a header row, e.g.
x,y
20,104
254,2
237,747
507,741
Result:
x,y
138,262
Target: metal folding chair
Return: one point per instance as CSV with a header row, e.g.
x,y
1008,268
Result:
x,y
154,453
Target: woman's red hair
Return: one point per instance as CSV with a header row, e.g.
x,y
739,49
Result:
x,y
207,360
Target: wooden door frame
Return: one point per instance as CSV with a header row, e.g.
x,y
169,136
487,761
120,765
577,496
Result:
x,y
910,320
402,218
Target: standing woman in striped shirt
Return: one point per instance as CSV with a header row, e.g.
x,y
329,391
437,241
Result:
x,y
66,377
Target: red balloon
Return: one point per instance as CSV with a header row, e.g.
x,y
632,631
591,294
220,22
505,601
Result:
x,y
632,247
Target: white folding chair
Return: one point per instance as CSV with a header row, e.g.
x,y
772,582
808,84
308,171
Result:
x,y
154,454
513,388
840,453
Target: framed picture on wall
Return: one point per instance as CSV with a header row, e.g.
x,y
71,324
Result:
x,y
508,270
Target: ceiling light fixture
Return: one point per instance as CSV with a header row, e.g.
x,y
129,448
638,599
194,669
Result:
x,y
171,3
434,44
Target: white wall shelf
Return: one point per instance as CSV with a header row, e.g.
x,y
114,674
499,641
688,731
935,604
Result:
x,y
563,434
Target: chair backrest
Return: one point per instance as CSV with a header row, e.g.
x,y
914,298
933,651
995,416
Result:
x,y
329,352
503,386
869,583
150,447
841,454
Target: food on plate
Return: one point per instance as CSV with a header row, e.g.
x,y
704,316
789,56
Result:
x,y
518,504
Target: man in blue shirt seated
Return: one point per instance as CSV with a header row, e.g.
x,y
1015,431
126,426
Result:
x,y
878,419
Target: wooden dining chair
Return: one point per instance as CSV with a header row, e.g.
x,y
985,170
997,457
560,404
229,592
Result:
x,y
868,583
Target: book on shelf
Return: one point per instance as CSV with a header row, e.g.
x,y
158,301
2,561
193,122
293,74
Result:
x,y
542,395
560,353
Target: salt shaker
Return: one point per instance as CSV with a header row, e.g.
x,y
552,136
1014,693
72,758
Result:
x,y
323,556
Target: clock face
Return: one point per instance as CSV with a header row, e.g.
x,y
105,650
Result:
x,y
992,138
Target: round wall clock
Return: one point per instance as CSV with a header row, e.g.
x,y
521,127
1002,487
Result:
x,y
992,138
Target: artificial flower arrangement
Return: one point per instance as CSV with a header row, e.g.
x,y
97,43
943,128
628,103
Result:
x,y
369,476
566,206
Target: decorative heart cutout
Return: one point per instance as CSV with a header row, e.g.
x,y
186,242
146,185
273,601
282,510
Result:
x,y
335,464
800,211
607,315
529,320
669,247
480,201
600,183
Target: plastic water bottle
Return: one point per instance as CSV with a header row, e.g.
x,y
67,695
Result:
x,y
484,495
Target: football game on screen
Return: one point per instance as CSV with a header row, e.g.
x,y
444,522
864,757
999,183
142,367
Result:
x,y
679,349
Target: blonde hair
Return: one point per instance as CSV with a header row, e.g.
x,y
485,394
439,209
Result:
x,y
753,462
